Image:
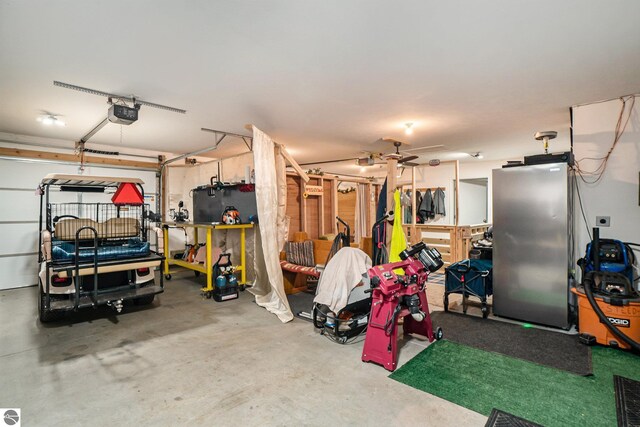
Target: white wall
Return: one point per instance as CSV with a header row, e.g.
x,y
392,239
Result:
x,y
616,195
444,175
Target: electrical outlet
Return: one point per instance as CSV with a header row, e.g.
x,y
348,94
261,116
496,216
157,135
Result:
x,y
603,221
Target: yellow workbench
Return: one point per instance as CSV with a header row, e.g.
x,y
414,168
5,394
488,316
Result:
x,y
207,267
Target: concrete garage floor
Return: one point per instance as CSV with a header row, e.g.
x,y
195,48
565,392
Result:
x,y
186,360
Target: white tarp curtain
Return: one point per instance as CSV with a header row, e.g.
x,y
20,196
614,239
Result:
x,y
270,236
361,212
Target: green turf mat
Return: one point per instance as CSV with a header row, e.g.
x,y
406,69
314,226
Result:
x,y
481,380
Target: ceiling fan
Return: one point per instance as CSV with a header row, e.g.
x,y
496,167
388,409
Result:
x,y
406,161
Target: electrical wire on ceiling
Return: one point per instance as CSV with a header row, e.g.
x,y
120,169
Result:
x,y
594,176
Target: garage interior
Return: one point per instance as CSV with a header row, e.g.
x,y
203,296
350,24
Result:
x,y
320,213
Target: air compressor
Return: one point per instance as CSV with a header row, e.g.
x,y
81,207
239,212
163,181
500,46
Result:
x,y
608,300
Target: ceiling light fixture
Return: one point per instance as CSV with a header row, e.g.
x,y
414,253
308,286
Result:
x,y
50,119
545,137
408,128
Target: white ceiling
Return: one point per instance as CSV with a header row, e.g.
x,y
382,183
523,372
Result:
x,y
327,78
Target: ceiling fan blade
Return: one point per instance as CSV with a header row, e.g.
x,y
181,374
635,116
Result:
x,y
407,159
409,164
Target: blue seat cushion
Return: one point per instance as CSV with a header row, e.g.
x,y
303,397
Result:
x,y
132,248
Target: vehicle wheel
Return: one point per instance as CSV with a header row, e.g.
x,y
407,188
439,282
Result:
x,y
241,287
167,276
439,334
485,311
145,300
197,273
446,303
46,315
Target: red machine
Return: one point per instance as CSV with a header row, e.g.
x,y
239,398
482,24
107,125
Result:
x,y
399,296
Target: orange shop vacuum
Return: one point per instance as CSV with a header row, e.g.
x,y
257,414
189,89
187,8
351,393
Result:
x,y
608,299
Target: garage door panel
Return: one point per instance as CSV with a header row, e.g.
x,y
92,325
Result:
x,y
18,238
18,271
19,205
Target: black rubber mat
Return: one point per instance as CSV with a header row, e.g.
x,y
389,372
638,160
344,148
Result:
x,y
627,401
499,418
554,349
301,301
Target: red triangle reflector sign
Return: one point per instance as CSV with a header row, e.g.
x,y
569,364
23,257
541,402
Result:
x,y
127,194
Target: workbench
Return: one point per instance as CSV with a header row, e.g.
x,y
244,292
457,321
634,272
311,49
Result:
x,y
207,267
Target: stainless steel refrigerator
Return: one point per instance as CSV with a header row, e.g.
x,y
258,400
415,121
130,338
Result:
x,y
531,243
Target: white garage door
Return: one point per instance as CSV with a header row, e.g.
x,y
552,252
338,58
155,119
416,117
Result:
x,y
20,210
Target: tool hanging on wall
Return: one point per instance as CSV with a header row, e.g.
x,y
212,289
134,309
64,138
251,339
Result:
x,y
181,215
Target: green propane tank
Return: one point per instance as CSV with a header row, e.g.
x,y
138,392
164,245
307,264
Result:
x,y
232,280
221,282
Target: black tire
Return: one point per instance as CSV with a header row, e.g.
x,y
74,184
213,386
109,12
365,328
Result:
x,y
439,333
145,300
46,316
241,287
485,311
197,273
167,276
446,303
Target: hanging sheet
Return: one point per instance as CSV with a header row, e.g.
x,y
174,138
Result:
x,y
268,287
